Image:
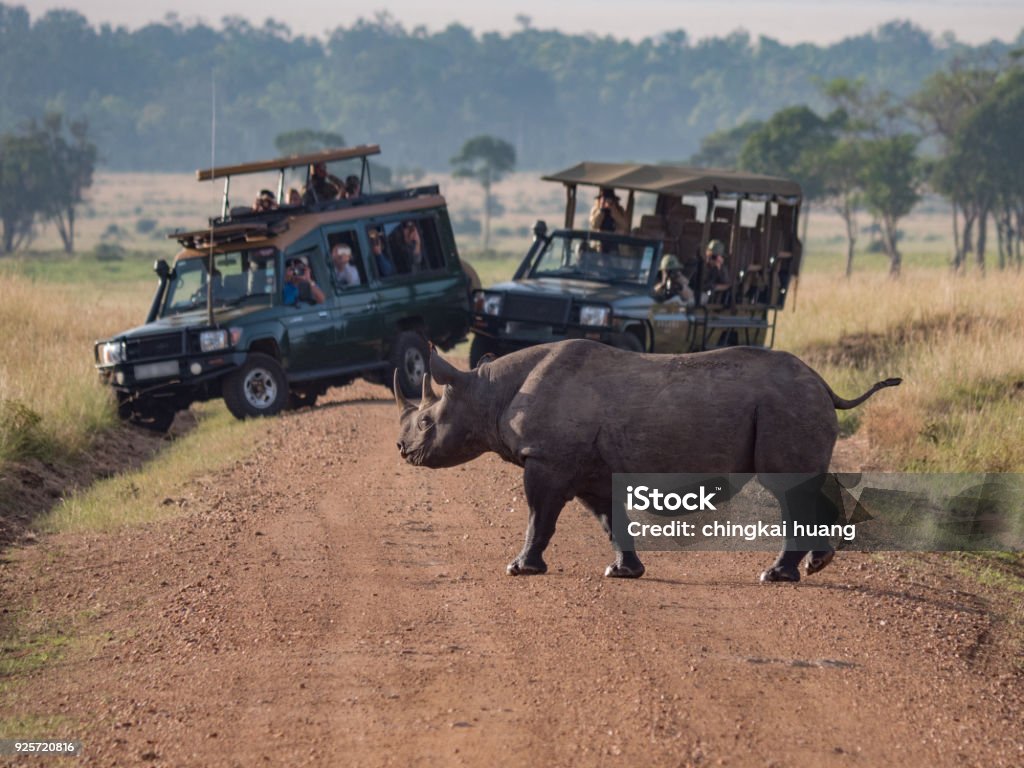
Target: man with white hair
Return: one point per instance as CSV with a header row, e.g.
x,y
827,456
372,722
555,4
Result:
x,y
345,272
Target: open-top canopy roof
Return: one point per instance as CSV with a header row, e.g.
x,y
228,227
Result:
x,y
292,161
677,180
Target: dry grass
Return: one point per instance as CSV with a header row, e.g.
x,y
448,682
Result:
x,y
51,401
958,343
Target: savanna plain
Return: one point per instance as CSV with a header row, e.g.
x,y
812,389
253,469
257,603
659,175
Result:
x,y
289,592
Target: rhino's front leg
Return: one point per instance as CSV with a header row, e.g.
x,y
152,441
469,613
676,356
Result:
x,y
546,494
627,565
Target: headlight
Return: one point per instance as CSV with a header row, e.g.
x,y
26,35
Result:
x,y
487,303
211,341
111,352
591,314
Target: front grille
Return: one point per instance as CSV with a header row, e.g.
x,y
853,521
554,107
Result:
x,y
536,309
163,345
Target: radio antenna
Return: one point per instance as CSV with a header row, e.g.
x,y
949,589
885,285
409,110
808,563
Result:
x,y
213,164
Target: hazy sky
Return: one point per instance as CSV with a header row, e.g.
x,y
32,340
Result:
x,y
789,21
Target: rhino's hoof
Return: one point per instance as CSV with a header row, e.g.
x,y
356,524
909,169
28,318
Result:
x,y
520,567
818,560
780,573
621,571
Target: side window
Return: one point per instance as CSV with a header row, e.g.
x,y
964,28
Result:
x,y
307,261
345,264
415,245
380,252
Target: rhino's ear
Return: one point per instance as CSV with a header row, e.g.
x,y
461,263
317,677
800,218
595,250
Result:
x,y
429,397
444,372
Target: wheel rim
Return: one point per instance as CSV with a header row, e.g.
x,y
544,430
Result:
x,y
260,388
415,365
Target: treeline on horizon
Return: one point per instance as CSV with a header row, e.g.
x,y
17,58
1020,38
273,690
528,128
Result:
x,y
558,98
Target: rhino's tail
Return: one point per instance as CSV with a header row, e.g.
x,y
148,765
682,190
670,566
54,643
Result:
x,y
843,404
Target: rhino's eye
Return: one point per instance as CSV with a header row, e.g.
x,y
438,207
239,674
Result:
x,y
425,423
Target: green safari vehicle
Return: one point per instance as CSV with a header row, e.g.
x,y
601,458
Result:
x,y
253,309
599,282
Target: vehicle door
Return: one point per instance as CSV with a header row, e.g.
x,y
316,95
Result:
x,y
355,310
308,326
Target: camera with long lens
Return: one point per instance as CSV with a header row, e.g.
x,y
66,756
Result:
x,y
299,270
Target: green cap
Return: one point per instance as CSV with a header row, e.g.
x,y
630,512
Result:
x,y
670,262
717,247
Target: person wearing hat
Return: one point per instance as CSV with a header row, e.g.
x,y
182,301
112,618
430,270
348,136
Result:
x,y
672,281
607,214
716,275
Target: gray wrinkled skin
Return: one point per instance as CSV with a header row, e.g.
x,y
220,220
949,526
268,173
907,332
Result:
x,y
575,412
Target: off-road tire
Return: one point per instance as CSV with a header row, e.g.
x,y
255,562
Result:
x,y
627,341
410,356
258,388
480,346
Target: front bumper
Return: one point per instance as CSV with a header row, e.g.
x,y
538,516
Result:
x,y
526,333
180,374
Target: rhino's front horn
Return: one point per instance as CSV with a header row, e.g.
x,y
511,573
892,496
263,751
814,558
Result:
x,y
403,404
429,397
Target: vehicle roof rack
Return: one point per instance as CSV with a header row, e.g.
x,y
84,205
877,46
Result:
x,y
222,234
282,164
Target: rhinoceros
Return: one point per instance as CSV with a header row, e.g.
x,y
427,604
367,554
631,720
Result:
x,y
574,412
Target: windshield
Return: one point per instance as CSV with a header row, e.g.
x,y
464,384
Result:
x,y
238,277
584,256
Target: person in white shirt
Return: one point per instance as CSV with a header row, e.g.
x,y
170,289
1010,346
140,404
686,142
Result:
x,y
345,272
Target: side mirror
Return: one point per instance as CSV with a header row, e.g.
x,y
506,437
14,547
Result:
x,y
161,269
540,229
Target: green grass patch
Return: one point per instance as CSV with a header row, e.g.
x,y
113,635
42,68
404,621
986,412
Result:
x,y
34,726
142,495
20,655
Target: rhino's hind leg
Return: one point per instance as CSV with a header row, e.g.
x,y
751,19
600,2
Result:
x,y
545,495
627,565
807,501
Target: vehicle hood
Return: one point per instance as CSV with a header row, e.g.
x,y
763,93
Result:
x,y
195,319
606,293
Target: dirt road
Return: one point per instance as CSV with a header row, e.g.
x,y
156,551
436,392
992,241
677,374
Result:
x,y
322,603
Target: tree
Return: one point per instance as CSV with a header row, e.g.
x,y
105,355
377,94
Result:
x,y
42,174
841,167
941,107
485,159
721,149
24,181
987,148
891,179
874,125
71,168
790,143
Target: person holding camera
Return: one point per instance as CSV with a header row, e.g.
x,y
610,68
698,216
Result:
x,y
607,215
672,281
299,285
